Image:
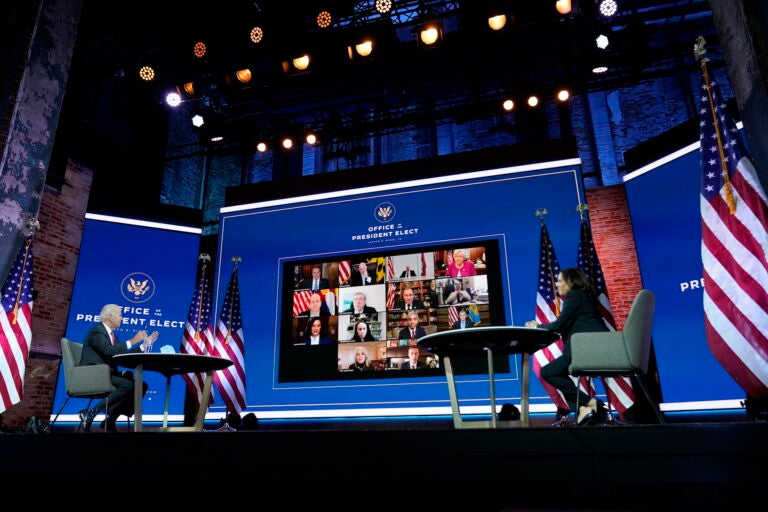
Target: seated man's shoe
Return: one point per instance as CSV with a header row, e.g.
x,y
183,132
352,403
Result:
x,y
86,419
561,418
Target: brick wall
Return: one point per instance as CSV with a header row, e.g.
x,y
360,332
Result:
x,y
56,248
615,245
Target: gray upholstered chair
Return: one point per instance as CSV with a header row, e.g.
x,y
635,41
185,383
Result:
x,y
89,381
619,354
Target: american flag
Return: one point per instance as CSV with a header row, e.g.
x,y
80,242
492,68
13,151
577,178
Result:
x,y
301,301
423,265
620,390
345,271
198,334
547,309
390,269
734,247
229,344
16,327
391,290
453,315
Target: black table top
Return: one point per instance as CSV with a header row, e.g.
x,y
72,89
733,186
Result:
x,y
475,340
172,364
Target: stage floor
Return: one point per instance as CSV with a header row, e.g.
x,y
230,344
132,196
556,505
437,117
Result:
x,y
711,462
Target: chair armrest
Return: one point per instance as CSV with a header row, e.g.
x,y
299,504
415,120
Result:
x,y
88,379
598,352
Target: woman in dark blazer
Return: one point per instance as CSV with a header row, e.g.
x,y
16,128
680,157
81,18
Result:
x,y
579,313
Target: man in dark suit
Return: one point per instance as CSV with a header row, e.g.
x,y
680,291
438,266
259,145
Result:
x,y
359,306
100,345
408,301
414,330
413,362
408,272
463,322
361,277
315,282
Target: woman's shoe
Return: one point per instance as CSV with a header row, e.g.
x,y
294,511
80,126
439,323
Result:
x,y
586,414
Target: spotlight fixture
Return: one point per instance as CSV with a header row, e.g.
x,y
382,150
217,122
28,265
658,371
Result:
x,y
287,143
311,139
599,70
533,100
244,75
257,35
197,120
261,147
364,48
430,33
199,49
563,95
608,8
383,6
563,6
602,41
497,21
189,88
508,105
173,99
324,19
147,73
301,63
217,138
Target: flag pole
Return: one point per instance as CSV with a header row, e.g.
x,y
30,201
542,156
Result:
x,y
700,52
29,232
541,213
204,258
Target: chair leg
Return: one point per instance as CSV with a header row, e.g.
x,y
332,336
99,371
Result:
x,y
59,411
611,420
654,405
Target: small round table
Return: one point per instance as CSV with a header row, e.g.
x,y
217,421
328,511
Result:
x,y
479,341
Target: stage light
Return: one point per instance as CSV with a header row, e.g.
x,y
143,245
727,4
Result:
x,y
287,143
533,100
311,139
257,35
602,41
197,120
147,73
430,33
324,19
608,8
497,21
364,48
563,6
383,6
244,75
301,63
598,70
217,138
508,105
261,147
563,95
199,49
173,99
189,88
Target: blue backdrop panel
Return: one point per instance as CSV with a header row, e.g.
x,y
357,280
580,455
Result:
x,y
497,204
162,261
664,205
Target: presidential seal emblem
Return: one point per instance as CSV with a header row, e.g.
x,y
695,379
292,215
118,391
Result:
x,y
137,287
384,212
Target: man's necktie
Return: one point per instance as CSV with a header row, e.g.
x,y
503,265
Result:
x,y
112,337
413,333
314,286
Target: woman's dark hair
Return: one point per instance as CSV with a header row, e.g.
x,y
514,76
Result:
x,y
368,334
312,320
577,280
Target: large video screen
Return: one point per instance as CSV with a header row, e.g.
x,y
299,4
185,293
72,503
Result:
x,y
359,316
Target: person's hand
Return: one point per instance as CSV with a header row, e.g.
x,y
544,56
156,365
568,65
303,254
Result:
x,y
531,323
138,337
